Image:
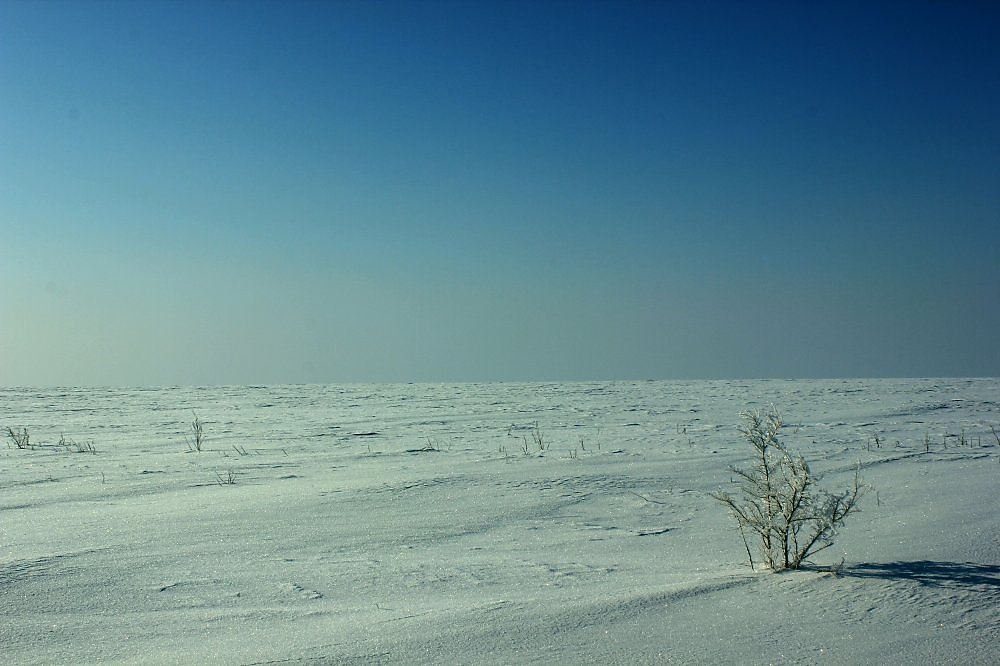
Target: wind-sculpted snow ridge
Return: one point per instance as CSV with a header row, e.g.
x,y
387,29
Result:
x,y
489,524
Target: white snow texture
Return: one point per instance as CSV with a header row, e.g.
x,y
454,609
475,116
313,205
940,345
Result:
x,y
489,524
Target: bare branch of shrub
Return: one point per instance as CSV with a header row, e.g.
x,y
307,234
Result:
x,y
227,479
20,438
197,438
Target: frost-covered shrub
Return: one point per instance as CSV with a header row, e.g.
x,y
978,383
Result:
x,y
780,501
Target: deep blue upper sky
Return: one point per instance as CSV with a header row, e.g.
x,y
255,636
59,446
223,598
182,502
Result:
x,y
199,192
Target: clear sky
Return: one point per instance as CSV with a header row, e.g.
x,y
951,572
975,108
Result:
x,y
259,192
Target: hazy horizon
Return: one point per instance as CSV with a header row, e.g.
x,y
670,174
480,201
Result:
x,y
364,192
537,382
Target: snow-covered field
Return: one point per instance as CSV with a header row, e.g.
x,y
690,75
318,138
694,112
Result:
x,y
422,523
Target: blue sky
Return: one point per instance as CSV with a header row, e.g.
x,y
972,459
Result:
x,y
231,192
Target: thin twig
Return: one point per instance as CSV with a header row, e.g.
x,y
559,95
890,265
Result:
x,y
646,498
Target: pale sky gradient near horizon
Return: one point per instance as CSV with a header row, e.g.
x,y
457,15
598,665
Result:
x,y
299,192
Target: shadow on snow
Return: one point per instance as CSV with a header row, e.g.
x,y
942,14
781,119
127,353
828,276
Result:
x,y
927,572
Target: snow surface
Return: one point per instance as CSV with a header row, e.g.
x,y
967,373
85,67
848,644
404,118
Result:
x,y
406,524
